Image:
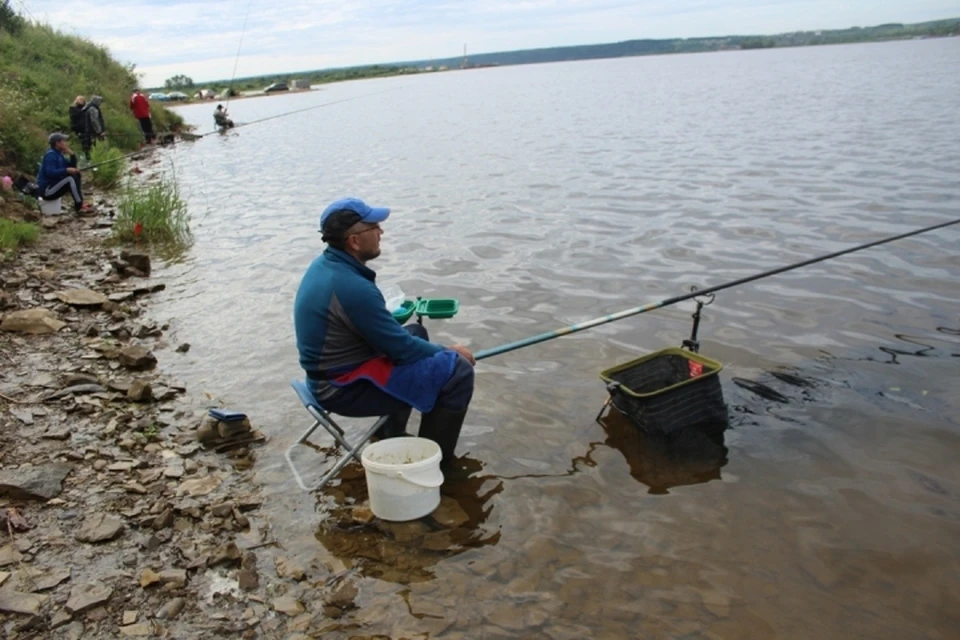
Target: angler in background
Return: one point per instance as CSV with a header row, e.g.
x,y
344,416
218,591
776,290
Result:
x,y
141,111
59,175
77,124
221,119
94,127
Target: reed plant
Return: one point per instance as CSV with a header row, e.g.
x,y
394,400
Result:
x,y
14,234
153,214
108,163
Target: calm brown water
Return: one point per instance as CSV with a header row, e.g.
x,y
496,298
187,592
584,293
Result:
x,y
541,196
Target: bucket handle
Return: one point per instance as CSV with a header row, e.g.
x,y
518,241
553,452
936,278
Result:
x,y
433,482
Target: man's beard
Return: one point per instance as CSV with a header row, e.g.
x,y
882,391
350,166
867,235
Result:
x,y
369,255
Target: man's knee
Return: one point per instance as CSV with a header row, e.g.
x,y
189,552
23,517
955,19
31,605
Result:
x,y
458,391
417,329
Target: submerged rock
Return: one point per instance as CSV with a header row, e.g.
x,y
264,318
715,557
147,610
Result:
x,y
137,259
137,358
450,513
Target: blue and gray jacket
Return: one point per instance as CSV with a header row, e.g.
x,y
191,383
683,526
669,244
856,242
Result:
x,y
344,331
53,168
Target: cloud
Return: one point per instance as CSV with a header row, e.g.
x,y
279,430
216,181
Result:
x,y
201,38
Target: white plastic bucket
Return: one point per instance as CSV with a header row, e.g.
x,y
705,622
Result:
x,y
403,477
50,207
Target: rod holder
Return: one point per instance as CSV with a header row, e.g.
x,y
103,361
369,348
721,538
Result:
x,y
692,343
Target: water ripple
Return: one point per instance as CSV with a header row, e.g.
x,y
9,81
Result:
x,y
546,195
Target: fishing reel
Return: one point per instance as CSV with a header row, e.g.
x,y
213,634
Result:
x,y
692,343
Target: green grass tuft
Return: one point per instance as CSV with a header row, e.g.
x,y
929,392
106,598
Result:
x,y
160,213
110,163
15,234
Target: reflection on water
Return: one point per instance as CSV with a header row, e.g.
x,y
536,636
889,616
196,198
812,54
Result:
x,y
689,455
834,512
406,552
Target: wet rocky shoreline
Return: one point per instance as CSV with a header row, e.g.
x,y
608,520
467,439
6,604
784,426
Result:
x,y
127,510
115,519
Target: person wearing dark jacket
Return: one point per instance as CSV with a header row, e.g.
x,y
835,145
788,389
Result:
x,y
77,124
58,174
358,360
220,118
94,127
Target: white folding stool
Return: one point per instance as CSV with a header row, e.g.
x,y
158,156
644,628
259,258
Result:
x,y
323,419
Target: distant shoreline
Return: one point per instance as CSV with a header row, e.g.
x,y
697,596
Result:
x,y
382,71
171,104
949,27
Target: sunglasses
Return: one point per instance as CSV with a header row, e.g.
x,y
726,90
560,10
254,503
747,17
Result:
x,y
374,227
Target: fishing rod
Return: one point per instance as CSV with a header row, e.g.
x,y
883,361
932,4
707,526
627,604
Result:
x,y
243,30
112,160
191,136
196,136
550,335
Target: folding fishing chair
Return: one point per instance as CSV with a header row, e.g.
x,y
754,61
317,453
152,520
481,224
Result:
x,y
323,419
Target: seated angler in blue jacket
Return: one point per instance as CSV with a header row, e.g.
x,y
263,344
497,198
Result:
x,y
358,359
58,174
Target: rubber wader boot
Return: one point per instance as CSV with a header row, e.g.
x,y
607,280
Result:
x,y
443,427
395,426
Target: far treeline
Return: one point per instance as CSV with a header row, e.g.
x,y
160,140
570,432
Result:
x,y
880,33
936,28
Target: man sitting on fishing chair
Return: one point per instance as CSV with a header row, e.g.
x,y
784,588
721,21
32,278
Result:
x,y
221,119
358,359
58,174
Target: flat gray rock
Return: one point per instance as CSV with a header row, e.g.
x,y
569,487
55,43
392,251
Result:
x,y
41,482
84,597
81,297
74,389
34,321
25,603
100,527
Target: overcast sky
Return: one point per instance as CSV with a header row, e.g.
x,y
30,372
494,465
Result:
x,y
201,38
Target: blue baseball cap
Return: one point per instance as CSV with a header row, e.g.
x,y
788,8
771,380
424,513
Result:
x,y
356,205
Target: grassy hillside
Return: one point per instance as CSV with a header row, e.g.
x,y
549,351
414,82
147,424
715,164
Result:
x,y
41,72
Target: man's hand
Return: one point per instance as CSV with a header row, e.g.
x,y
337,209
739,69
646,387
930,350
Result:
x,y
73,171
462,350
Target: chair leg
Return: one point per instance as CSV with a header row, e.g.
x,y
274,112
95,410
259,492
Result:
x,y
350,451
308,433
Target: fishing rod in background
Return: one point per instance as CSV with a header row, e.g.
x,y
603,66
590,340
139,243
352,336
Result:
x,y
190,137
243,30
589,324
197,136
